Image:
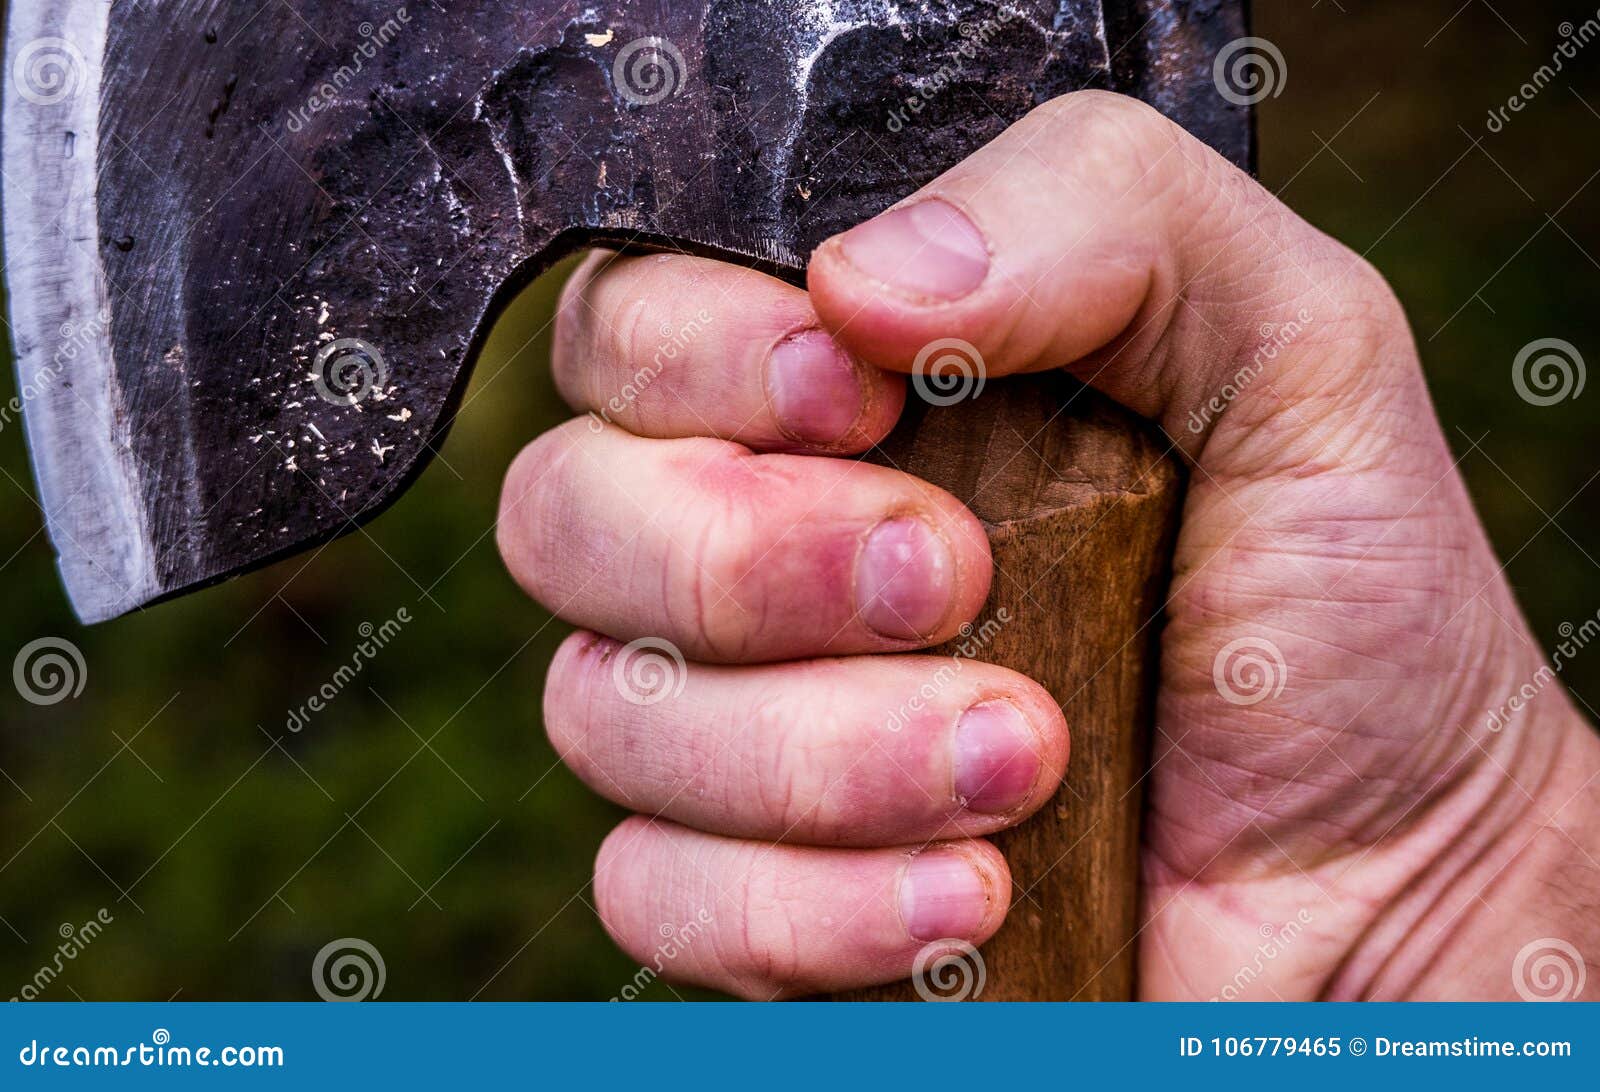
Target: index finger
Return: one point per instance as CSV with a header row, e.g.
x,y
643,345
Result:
x,y
669,346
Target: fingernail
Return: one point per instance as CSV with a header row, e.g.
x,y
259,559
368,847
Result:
x,y
942,895
904,579
814,387
996,763
929,249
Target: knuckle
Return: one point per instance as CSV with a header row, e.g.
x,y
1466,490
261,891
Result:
x,y
570,308
529,504
1371,297
762,954
641,354
576,703
1106,113
614,869
656,283
1345,297
718,550
780,769
623,751
1111,137
810,781
726,614
633,331
571,334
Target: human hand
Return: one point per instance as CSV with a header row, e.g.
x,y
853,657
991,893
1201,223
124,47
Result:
x,y
1365,794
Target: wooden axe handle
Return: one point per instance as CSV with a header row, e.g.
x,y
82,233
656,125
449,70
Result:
x,y
1081,504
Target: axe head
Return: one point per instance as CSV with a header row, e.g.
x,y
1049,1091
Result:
x,y
252,250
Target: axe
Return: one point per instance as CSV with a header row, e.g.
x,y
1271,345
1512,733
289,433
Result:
x,y
253,250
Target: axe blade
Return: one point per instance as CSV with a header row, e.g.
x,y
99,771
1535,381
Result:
x,y
251,255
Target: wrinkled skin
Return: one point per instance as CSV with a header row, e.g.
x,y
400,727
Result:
x,y
1349,797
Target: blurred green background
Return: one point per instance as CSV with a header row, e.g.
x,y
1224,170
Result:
x,y
425,812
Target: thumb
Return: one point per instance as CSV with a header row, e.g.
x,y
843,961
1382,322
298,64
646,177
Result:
x,y
1097,235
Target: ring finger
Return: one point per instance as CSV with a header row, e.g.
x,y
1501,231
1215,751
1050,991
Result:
x,y
887,750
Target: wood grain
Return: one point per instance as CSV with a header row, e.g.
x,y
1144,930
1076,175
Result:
x,y
1081,505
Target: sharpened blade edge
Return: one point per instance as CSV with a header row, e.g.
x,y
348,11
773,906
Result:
x,y
60,309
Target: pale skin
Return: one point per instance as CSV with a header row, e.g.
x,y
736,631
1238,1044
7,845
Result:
x,y
1417,846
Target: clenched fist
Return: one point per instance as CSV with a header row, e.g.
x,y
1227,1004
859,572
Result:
x,y
1385,799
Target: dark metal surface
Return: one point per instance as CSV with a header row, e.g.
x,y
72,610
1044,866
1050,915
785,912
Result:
x,y
267,249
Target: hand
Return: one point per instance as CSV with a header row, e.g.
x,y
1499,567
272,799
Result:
x,y
1373,807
